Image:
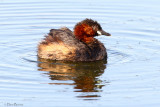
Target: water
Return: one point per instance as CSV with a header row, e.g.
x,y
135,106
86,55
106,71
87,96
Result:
x,y
130,78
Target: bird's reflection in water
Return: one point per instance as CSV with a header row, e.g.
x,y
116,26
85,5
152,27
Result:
x,y
85,75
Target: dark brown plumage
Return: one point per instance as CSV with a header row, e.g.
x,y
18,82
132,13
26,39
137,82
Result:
x,y
80,45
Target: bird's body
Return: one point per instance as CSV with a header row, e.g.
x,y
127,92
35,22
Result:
x,y
63,44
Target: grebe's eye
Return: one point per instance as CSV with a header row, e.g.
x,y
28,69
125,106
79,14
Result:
x,y
99,33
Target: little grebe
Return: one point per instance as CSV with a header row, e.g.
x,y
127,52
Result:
x,y
80,45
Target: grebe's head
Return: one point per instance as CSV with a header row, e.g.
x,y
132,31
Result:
x,y
87,29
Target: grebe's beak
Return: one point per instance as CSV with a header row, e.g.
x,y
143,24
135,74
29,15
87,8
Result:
x,y
102,32
105,33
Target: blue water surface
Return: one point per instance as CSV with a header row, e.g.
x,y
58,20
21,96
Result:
x,y
129,78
